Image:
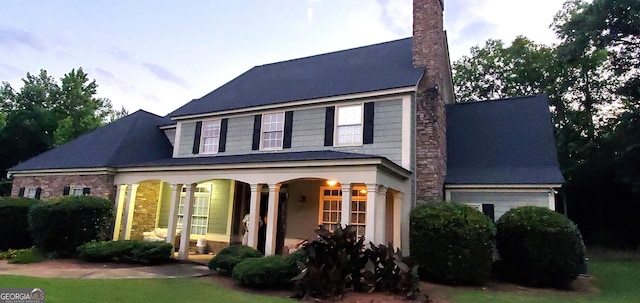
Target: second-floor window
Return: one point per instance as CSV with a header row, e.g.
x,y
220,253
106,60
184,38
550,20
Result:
x,y
349,126
272,130
210,136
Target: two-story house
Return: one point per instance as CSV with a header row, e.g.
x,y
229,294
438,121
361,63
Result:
x,y
357,137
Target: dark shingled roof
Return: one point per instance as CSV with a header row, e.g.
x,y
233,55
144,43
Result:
x,y
364,69
507,141
131,139
256,158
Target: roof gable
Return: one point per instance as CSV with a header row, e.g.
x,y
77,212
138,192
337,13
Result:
x,y
507,141
364,69
131,139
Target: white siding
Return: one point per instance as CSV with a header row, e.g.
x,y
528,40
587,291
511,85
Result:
x,y
171,135
187,134
502,201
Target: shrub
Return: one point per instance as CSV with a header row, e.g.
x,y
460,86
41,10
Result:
x,y
24,256
230,256
14,226
60,225
452,243
335,262
539,247
271,271
129,251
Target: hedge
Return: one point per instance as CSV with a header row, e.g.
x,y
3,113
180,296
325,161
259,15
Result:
x,y
452,243
129,251
60,225
14,226
271,271
539,247
230,256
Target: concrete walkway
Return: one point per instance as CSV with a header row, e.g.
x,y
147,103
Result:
x,y
71,269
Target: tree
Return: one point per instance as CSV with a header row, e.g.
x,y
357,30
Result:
x,y
44,113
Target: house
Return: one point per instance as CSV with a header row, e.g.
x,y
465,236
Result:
x,y
357,136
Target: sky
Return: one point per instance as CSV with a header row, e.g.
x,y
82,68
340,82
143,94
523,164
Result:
x,y
158,55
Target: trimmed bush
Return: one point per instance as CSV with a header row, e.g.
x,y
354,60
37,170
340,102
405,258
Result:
x,y
129,251
23,256
230,256
60,225
539,247
271,271
14,226
452,243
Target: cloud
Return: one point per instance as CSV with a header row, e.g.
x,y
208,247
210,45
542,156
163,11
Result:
x,y
16,37
108,78
7,70
309,14
397,16
164,74
120,54
478,31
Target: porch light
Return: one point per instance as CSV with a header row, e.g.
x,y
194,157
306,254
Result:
x,y
363,191
332,182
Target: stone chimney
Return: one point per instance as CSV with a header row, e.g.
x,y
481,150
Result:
x,y
435,89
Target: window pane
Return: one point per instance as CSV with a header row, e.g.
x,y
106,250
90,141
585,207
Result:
x,y
350,134
210,136
349,115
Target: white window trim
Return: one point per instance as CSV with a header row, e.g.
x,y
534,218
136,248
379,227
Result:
x,y
336,124
28,190
339,198
476,206
183,196
358,199
262,131
72,188
202,137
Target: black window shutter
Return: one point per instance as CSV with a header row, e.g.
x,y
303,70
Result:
x,y
257,124
86,191
196,138
21,192
488,210
66,190
38,192
288,129
367,131
222,146
328,125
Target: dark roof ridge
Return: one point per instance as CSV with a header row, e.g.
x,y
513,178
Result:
x,y
132,126
502,99
331,53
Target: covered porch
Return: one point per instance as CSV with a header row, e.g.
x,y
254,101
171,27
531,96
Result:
x,y
290,199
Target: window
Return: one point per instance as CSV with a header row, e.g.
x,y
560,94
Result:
x,y
330,207
359,209
31,193
200,216
210,138
77,191
349,126
272,130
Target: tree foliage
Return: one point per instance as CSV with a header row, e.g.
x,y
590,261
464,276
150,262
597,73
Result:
x,y
45,113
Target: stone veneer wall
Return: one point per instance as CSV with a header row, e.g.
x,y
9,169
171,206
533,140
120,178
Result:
x,y
430,52
146,208
53,186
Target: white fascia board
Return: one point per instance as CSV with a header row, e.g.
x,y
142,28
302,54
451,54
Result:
x,y
350,97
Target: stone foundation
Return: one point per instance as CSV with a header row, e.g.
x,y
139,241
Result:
x,y
53,186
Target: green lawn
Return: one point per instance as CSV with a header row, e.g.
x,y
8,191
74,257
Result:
x,y
134,290
617,281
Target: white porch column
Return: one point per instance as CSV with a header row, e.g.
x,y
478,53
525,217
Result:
x,y
183,253
370,228
345,215
176,189
129,209
398,199
254,219
272,220
121,192
381,216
